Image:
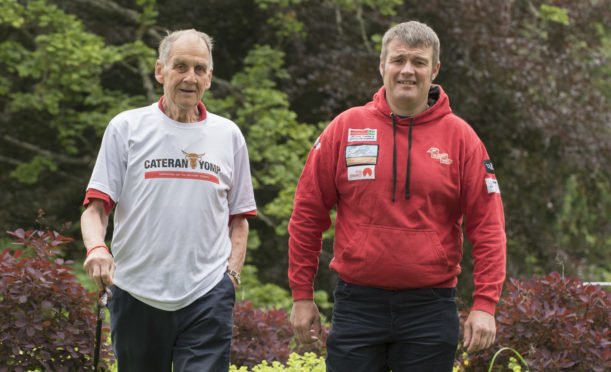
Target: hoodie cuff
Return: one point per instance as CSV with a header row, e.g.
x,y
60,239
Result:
x,y
303,293
483,304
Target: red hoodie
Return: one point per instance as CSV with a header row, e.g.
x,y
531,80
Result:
x,y
401,187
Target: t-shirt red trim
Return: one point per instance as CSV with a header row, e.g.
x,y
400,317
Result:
x,y
250,214
97,194
200,107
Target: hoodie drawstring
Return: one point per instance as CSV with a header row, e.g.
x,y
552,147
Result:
x,y
394,157
409,157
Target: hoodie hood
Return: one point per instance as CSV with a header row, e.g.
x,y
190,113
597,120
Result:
x,y
439,106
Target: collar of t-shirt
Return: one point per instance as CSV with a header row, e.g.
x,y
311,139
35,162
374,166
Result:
x,y
200,107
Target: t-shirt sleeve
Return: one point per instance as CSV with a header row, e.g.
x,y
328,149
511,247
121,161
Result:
x,y
111,165
241,198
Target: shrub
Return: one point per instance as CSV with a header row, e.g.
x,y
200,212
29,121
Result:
x,y
555,323
266,335
308,362
271,295
46,318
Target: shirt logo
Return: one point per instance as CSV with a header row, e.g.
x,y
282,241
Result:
x,y
488,166
171,168
362,172
362,135
435,154
193,158
361,155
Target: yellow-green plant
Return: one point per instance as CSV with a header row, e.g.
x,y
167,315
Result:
x,y
296,363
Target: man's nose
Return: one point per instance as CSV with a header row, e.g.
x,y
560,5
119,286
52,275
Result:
x,y
408,68
190,75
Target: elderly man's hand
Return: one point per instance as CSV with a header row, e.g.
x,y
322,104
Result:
x,y
100,266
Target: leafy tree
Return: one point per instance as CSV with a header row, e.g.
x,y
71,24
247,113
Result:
x,y
54,104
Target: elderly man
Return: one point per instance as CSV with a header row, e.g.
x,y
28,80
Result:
x,y
402,172
179,177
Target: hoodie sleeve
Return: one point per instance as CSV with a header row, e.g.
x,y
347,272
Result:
x,y
485,227
315,196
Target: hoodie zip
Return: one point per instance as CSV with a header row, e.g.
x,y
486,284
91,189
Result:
x,y
394,157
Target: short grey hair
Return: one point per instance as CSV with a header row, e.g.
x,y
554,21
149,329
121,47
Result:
x,y
414,34
165,46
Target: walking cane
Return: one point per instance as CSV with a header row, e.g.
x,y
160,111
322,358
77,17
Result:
x,y
102,302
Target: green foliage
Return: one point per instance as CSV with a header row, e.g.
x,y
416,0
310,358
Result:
x,y
54,79
602,81
283,20
271,296
28,172
262,295
11,13
554,14
384,7
277,142
148,14
309,362
582,217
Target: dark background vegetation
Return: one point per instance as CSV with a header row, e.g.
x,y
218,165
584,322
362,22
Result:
x,y
531,77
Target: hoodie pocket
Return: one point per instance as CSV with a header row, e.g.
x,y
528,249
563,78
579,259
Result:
x,y
393,257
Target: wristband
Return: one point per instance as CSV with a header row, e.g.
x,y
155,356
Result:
x,y
96,247
235,275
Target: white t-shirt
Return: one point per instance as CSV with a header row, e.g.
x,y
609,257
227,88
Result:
x,y
175,185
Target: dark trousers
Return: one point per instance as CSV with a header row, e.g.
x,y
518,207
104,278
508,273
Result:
x,y
195,338
380,330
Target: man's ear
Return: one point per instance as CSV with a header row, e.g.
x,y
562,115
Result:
x,y
209,79
435,71
382,67
159,71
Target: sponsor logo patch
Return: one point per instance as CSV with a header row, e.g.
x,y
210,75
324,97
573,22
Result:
x,y
361,155
436,154
488,166
362,135
492,185
362,172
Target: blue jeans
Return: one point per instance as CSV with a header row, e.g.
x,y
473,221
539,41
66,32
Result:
x,y
380,330
195,338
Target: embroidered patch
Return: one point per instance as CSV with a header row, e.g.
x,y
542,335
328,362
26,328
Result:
x,y
362,135
492,185
317,143
435,154
362,172
488,166
361,155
